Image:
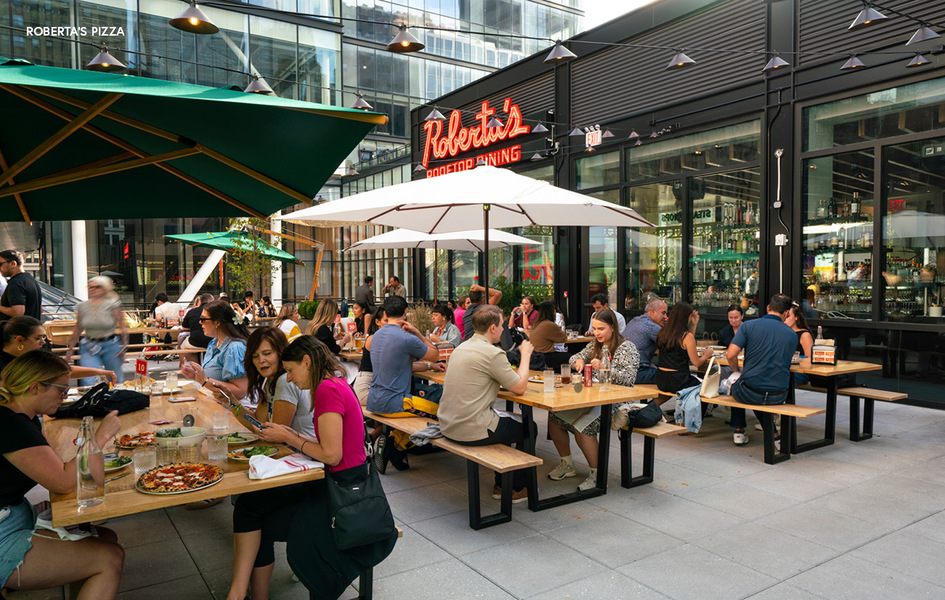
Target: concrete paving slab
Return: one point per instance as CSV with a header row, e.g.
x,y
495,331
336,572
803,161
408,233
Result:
x,y
445,580
609,585
825,527
160,562
909,553
740,500
452,533
594,536
850,578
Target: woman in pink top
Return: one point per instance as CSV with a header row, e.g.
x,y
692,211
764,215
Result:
x,y
462,305
339,427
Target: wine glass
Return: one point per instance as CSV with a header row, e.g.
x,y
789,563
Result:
x,y
172,381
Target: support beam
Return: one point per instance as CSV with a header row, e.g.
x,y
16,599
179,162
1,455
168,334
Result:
x,y
17,197
203,274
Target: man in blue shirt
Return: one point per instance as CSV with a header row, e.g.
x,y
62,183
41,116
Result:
x,y
765,375
642,331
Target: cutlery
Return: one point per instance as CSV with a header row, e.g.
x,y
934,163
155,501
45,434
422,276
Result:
x,y
117,477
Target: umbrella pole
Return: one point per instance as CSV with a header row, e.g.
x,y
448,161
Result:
x,y
485,249
435,281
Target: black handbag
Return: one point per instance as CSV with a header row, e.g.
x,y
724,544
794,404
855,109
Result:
x,y
647,416
99,401
358,511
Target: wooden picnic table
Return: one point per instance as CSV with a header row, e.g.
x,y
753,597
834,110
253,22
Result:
x,y
121,498
565,398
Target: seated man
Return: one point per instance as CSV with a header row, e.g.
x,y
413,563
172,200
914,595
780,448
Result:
x,y
477,369
642,331
394,349
769,346
599,302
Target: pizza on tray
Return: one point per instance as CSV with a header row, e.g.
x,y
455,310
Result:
x,y
138,439
179,477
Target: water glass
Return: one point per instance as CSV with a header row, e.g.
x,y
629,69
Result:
x,y
145,459
166,454
157,388
216,448
221,420
565,374
548,378
190,453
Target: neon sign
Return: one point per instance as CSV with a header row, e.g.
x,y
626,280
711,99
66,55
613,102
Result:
x,y
460,139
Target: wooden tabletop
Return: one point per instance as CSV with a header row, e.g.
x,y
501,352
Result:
x,y
120,496
842,367
564,397
352,355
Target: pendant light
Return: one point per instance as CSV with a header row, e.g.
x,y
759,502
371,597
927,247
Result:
x,y
258,86
405,42
539,128
853,63
918,61
193,20
105,63
494,123
866,17
776,62
435,115
559,54
680,61
922,34
360,103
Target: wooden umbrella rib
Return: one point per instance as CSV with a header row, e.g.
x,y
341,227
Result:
x,y
74,124
17,197
238,166
61,179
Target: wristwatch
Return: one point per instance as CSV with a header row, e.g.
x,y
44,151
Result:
x,y
429,366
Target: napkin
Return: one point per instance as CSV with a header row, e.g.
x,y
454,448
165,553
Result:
x,y
263,467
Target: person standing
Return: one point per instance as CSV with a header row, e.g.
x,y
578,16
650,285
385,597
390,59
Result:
x,y
599,302
23,295
477,369
365,293
393,288
642,330
99,317
766,373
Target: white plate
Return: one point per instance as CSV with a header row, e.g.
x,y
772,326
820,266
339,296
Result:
x,y
245,438
274,451
113,469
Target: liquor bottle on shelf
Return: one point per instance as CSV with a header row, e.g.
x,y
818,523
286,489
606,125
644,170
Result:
x,y
855,205
822,209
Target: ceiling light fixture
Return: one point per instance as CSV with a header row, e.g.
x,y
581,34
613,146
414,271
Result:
x,y
559,54
866,17
404,42
105,63
194,20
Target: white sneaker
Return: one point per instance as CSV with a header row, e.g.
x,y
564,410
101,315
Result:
x,y
740,438
564,469
590,483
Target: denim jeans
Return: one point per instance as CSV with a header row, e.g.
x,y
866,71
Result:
x,y
743,394
101,355
646,374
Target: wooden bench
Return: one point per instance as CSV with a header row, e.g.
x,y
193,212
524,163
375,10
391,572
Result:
x,y
859,432
497,457
366,581
651,434
652,387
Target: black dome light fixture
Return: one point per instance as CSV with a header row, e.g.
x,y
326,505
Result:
x,y
105,63
405,42
559,54
866,17
194,20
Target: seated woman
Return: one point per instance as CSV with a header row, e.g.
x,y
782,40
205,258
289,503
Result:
x,y
676,344
445,330
736,315
223,362
288,321
338,442
265,309
23,333
805,341
546,333
524,316
584,423
362,316
321,326
362,383
461,305
34,384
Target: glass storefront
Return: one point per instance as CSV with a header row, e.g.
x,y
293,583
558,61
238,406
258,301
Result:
x,y
654,254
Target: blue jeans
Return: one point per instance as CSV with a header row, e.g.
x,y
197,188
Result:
x,y
646,374
101,354
742,393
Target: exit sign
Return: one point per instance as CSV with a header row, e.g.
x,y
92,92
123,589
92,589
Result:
x,y
936,149
593,138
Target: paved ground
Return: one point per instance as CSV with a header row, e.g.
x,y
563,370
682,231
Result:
x,y
853,520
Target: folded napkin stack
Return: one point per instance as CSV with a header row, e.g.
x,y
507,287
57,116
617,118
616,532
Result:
x,y
263,467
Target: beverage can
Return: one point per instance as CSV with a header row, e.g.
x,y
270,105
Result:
x,y
588,376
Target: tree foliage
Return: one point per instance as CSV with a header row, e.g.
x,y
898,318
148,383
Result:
x,y
249,268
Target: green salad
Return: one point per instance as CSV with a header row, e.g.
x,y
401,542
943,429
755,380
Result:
x,y
233,437
118,462
169,433
264,450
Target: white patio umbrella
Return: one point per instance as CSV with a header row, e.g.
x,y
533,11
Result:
x,y
461,240
450,203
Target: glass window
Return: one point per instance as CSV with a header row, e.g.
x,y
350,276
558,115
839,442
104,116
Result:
x,y
914,231
838,213
723,268
886,113
732,146
596,170
40,50
319,68
273,52
654,254
602,255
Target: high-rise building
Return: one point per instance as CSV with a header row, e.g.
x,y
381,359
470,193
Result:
x,y
323,51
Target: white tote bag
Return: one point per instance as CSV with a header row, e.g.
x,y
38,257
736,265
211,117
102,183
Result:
x,y
710,385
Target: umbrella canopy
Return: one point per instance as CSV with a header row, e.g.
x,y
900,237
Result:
x,y
461,240
233,240
450,203
86,145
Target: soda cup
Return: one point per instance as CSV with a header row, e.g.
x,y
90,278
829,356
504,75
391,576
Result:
x,y
588,376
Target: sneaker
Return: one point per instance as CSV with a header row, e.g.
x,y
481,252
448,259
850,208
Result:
x,y
398,457
564,469
496,493
777,443
590,483
777,424
519,496
740,438
381,453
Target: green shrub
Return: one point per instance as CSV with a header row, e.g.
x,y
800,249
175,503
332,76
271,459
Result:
x,y
307,309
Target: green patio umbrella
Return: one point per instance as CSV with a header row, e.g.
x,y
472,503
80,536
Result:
x,y
233,240
87,145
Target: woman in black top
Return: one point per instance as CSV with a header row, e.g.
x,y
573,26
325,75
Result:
x,y
735,317
362,383
362,317
321,326
35,384
677,347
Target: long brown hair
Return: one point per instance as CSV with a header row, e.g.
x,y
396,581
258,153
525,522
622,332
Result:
x,y
607,317
324,315
801,320
221,312
671,335
324,363
256,382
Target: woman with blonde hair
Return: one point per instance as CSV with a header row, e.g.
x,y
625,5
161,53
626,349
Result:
x,y
98,318
321,325
35,384
288,321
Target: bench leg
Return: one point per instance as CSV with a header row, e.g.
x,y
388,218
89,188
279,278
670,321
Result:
x,y
867,432
627,479
772,455
476,520
366,585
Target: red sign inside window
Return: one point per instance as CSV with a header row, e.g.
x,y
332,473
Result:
x,y
459,139
897,204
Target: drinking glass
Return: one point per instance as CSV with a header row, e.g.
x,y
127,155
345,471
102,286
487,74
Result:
x,y
145,459
549,381
166,454
172,381
566,374
216,448
190,453
221,420
157,388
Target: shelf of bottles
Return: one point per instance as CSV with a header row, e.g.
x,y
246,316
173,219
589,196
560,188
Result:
x,y
724,262
838,250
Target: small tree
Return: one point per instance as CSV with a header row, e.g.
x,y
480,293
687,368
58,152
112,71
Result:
x,y
248,266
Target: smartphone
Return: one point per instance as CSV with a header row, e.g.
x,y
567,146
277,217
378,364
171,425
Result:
x,y
234,402
182,399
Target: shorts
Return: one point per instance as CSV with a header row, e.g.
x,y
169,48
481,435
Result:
x,y
16,531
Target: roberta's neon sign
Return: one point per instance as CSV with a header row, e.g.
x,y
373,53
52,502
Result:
x,y
460,139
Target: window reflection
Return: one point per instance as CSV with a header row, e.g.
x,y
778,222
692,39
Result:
x,y
654,254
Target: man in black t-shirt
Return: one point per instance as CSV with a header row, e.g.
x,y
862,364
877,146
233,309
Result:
x,y
191,323
23,295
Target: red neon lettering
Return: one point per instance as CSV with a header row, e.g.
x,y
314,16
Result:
x,y
461,139
496,158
